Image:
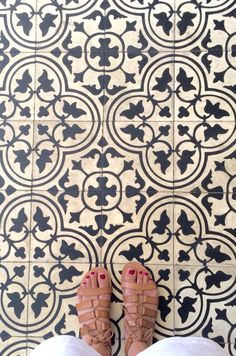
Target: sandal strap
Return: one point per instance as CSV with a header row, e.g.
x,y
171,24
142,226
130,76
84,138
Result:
x,y
135,334
93,292
138,327
141,323
102,337
140,310
93,314
139,287
94,325
88,304
146,299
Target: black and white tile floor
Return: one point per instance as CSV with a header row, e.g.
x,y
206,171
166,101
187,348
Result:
x,y
117,143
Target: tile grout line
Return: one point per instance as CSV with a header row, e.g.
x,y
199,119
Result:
x,y
31,192
194,265
104,122
173,211
169,192
102,131
32,182
56,121
171,51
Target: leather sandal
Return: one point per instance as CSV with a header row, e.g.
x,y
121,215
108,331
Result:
x,y
137,326
92,321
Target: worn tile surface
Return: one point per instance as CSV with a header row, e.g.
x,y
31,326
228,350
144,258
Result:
x,y
117,143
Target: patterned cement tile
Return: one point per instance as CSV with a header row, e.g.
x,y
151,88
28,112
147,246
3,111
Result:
x,y
15,227
201,92
39,298
16,155
14,299
71,27
203,233
68,90
13,345
149,241
201,151
137,18
17,85
191,31
18,25
148,96
204,302
65,154
140,153
68,231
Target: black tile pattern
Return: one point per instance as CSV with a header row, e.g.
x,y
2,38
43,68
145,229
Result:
x,y
117,142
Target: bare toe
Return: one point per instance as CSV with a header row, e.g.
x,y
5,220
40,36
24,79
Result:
x,y
102,280
152,292
88,281
140,277
130,275
93,279
82,286
145,278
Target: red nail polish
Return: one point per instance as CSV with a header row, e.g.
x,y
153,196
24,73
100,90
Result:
x,y
102,276
92,273
87,277
146,274
84,282
140,272
131,271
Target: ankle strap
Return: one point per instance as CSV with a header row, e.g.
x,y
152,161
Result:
x,y
97,337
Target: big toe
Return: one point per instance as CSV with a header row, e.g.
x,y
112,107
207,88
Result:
x,y
130,277
103,282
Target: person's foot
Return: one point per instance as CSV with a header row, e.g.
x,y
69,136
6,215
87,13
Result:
x,y
94,295
140,300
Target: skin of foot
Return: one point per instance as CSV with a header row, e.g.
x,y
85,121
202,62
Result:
x,y
134,276
94,280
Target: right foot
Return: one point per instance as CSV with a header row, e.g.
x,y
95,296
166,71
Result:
x,y
140,300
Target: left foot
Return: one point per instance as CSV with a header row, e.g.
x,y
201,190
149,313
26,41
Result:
x,y
94,295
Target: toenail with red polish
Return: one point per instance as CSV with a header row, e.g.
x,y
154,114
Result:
x,y
84,282
131,271
87,277
102,276
140,272
92,273
146,274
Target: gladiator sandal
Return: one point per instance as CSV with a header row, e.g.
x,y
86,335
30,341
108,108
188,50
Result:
x,y
92,312
139,317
